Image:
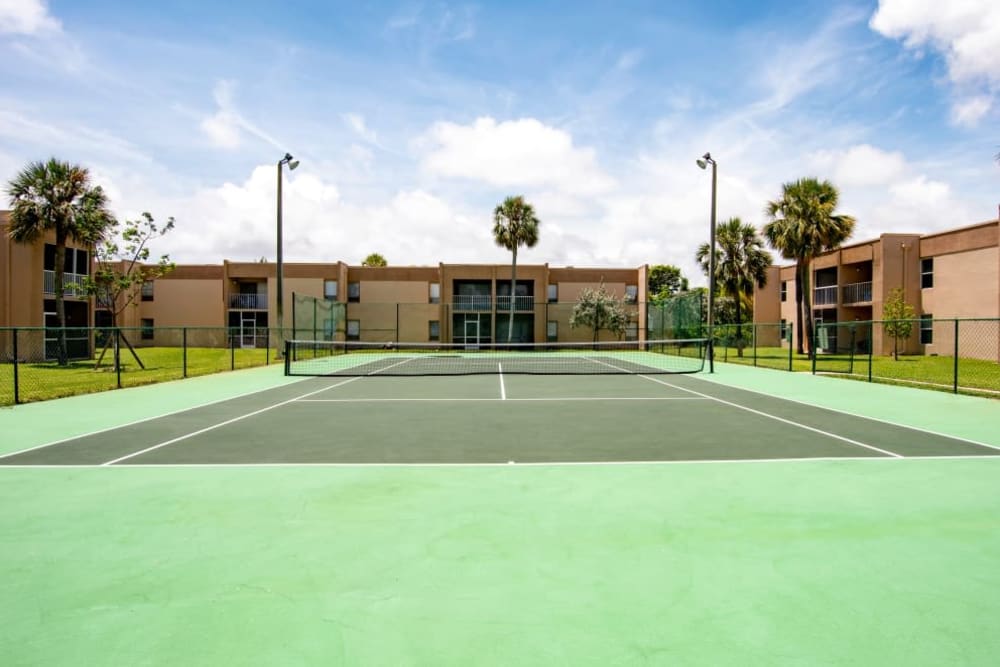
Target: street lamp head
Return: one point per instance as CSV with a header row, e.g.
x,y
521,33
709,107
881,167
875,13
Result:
x,y
705,160
289,160
701,163
292,165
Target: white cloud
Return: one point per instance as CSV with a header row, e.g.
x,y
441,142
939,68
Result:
x,y
222,129
26,17
861,165
226,126
521,153
357,123
970,110
966,32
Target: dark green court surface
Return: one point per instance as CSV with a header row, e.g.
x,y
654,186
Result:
x,y
496,419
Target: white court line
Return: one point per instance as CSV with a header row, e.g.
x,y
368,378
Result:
x,y
780,419
770,416
148,419
850,414
503,390
533,464
228,421
489,400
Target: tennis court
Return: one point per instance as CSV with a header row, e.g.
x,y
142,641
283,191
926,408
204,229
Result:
x,y
637,517
496,419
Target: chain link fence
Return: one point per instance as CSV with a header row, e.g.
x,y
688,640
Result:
x,y
100,359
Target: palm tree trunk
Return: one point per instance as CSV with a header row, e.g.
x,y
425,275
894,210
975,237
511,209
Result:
x,y
807,307
60,281
513,289
798,307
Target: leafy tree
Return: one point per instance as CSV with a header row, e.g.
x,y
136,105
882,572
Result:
x,y
598,309
803,225
374,259
740,263
897,316
514,225
122,270
58,197
665,280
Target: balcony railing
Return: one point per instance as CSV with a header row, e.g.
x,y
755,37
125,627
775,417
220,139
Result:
x,y
49,283
825,296
858,293
471,302
248,301
520,303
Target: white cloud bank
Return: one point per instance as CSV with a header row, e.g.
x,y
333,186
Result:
x,y
26,17
966,32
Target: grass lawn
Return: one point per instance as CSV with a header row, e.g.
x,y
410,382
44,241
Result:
x,y
43,381
936,372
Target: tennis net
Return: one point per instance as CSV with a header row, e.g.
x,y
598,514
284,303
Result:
x,y
353,358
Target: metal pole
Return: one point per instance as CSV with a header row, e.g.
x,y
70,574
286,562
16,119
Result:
x,y
711,279
280,294
17,394
184,347
954,374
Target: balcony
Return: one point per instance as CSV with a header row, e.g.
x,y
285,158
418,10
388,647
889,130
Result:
x,y
857,293
49,283
825,296
248,301
471,302
520,303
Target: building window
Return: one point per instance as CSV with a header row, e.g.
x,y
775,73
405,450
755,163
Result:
x,y
631,293
783,331
147,329
784,291
927,272
330,290
147,290
434,330
353,329
926,329
435,294
354,292
553,293
552,330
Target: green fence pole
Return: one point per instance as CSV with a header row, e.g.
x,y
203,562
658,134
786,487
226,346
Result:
x,y
184,351
871,347
812,348
232,350
850,365
17,394
791,348
954,373
267,346
118,356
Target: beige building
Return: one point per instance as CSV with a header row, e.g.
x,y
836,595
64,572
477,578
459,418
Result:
x,y
945,275
460,303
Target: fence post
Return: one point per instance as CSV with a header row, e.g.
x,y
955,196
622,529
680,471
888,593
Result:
x,y
396,338
232,350
267,346
954,372
871,348
754,334
17,394
184,351
812,347
791,348
118,356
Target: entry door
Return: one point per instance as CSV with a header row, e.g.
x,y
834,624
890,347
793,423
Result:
x,y
472,334
248,329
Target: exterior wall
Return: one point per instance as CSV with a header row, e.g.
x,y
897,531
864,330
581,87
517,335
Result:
x,y
966,285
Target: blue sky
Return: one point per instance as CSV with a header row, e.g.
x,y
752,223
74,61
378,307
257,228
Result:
x,y
413,120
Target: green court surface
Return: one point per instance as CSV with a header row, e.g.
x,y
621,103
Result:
x,y
747,517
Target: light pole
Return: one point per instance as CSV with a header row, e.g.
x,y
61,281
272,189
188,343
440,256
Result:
x,y
292,164
703,162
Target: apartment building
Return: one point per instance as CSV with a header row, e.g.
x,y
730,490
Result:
x,y
459,303
944,275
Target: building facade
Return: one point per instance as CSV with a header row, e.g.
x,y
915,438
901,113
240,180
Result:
x,y
945,275
448,303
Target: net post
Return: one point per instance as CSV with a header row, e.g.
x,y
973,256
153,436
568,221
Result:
x,y
17,395
288,357
954,371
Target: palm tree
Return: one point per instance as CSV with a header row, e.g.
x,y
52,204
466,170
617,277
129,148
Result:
x,y
374,259
514,225
804,225
57,196
740,263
